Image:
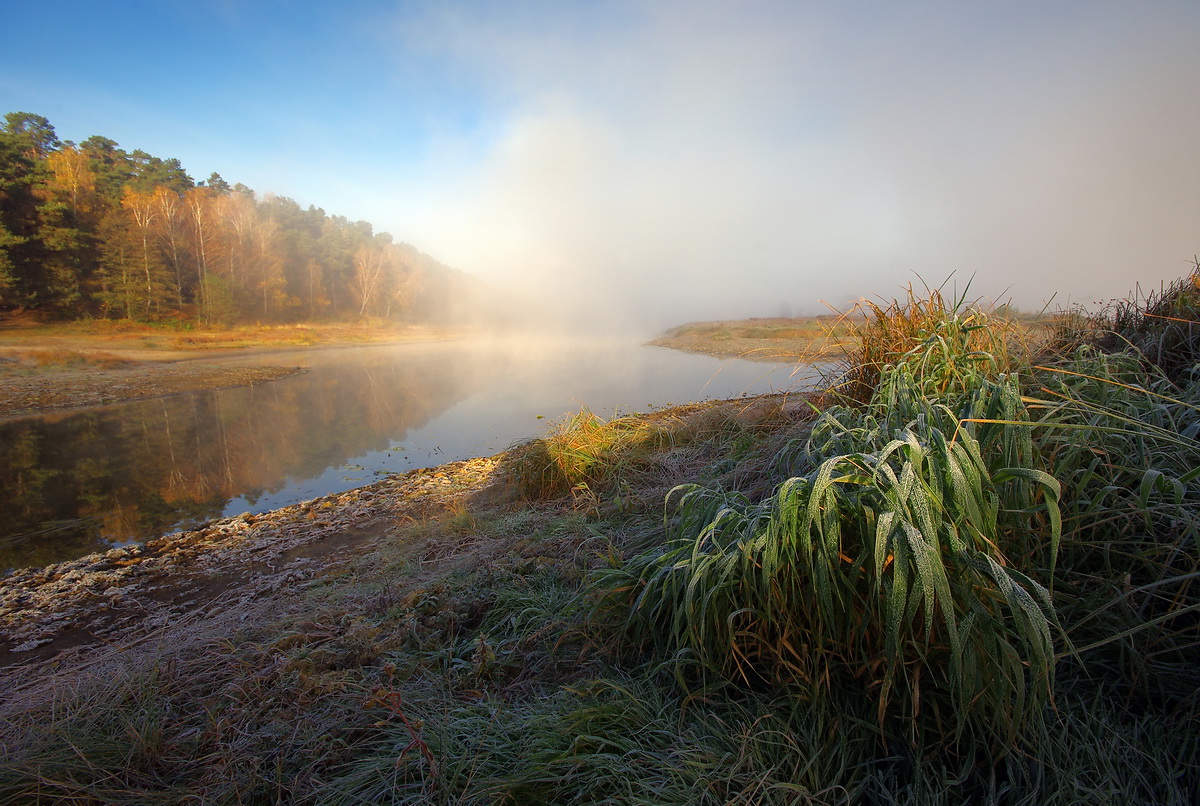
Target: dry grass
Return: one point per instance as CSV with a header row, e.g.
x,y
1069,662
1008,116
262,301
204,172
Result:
x,y
806,339
178,336
833,337
103,360
299,336
919,326
63,358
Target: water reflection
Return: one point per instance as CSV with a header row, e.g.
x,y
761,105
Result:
x,y
77,483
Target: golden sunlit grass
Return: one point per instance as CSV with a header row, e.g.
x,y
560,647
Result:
x,y
948,339
60,358
810,339
81,336
592,460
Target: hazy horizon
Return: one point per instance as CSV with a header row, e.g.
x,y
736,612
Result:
x,y
657,163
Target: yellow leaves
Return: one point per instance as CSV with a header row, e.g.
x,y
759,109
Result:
x,y
71,180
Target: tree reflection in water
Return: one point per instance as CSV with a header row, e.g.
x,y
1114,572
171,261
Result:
x,y
72,484
78,483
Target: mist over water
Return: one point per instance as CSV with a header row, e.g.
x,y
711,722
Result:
x,y
83,482
661,162
651,164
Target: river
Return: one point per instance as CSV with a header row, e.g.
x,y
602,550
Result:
x,y
72,484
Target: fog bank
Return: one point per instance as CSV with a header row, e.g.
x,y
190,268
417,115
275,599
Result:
x,y
679,161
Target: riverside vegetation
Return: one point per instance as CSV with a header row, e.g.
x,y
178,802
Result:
x,y
94,231
967,571
781,339
80,364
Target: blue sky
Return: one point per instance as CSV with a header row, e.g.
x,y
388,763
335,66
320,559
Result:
x,y
672,160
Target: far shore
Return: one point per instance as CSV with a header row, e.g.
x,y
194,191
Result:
x,y
47,368
807,339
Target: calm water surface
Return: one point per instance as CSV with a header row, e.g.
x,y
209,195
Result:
x,y
72,484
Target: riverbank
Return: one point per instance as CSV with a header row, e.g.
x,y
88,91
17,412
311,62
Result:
x,y
811,339
906,598
47,368
130,594
317,626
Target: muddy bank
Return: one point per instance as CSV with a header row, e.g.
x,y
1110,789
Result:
x,y
129,594
30,391
44,369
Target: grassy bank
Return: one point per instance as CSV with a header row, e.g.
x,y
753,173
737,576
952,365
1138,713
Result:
x,y
966,572
82,364
17,332
831,337
781,339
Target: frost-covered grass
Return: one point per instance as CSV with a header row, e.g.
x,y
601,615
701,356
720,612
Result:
x,y
967,573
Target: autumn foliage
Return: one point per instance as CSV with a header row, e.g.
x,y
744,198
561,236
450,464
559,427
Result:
x,y
93,230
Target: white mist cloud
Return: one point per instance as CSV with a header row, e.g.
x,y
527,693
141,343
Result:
x,y
680,160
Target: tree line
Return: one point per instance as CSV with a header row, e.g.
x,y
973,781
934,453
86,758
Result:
x,y
89,229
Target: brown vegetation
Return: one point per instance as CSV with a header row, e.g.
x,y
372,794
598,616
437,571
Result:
x,y
47,367
810,339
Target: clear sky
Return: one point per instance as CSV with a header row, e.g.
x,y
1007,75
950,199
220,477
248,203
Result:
x,y
672,160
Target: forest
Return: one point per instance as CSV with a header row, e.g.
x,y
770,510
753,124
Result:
x,y
92,230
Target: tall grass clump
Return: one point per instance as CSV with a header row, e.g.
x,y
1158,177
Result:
x,y
949,338
1122,437
583,454
889,562
1162,328
586,456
